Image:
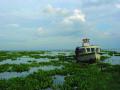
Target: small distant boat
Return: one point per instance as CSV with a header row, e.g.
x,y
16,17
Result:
x,y
87,53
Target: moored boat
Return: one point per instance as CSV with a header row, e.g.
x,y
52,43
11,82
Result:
x,y
87,52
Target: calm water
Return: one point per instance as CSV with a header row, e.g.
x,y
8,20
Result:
x,y
113,60
58,79
25,60
8,75
54,53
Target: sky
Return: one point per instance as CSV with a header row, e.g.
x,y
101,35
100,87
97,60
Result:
x,y
58,24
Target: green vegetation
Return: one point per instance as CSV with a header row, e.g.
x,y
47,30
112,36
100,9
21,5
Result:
x,y
78,76
4,67
26,67
19,68
104,57
9,55
15,54
32,82
111,53
14,67
40,56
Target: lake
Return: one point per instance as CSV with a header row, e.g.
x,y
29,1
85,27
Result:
x,y
114,60
8,75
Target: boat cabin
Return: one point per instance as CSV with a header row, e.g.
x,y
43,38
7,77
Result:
x,y
89,49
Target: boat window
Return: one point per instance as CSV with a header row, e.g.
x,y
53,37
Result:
x,y
77,49
88,49
97,49
82,50
93,49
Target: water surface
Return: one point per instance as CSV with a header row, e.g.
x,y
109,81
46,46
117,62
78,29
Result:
x,y
58,79
114,60
25,60
8,75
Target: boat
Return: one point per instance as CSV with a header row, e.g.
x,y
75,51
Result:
x,y
87,53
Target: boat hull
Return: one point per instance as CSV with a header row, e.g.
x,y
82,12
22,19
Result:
x,y
92,57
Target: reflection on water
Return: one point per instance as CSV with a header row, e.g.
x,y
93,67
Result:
x,y
58,79
47,89
113,60
55,53
25,60
8,75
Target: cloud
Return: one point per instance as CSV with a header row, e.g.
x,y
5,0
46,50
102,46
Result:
x,y
66,22
53,10
77,16
13,25
104,34
42,32
41,25
98,2
117,5
71,15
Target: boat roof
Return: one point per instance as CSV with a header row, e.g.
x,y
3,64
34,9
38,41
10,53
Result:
x,y
90,46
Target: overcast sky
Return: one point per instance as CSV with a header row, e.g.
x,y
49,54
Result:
x,y
58,24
